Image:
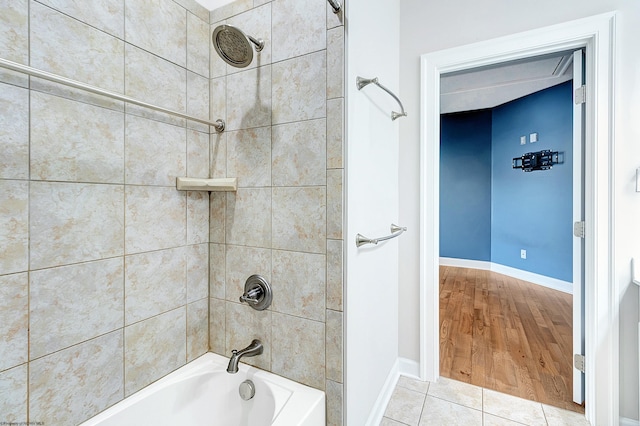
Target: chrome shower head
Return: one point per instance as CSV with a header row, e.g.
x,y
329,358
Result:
x,y
234,46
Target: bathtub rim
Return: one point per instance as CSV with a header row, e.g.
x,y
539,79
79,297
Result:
x,y
290,413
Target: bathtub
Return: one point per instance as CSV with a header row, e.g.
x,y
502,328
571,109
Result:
x,y
203,393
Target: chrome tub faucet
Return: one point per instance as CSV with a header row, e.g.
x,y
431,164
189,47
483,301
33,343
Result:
x,y
255,348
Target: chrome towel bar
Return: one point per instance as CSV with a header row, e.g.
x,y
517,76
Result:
x,y
14,66
395,231
362,82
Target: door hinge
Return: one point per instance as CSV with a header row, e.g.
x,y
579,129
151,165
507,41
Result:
x,y
578,229
580,95
578,362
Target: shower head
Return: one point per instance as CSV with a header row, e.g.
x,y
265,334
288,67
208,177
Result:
x,y
234,46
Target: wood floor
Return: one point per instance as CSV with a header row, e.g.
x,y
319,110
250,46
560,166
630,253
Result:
x,y
508,335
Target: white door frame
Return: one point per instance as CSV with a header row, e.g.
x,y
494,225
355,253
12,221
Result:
x,y
596,35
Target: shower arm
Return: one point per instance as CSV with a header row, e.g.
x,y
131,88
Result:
x,y
362,82
335,5
259,43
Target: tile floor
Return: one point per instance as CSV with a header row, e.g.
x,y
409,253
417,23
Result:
x,y
449,402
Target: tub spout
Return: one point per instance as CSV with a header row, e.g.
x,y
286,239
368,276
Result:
x,y
255,348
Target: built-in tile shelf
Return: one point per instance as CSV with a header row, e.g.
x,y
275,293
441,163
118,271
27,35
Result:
x,y
203,184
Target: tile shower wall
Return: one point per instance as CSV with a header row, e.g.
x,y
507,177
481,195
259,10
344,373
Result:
x,y
284,143
103,264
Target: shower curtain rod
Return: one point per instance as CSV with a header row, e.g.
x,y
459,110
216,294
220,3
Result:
x,y
14,66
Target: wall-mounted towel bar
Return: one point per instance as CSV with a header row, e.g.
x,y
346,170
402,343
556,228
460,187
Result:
x,y
362,82
395,231
14,66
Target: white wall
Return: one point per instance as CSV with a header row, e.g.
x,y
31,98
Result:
x,y
432,26
372,40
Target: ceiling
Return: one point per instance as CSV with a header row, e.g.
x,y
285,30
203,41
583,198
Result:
x,y
494,85
213,4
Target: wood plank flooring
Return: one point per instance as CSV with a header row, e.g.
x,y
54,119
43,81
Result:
x,y
508,335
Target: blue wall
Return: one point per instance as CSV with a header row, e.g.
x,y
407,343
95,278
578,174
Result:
x,y
465,185
530,211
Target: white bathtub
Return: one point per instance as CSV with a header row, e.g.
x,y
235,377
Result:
x,y
203,393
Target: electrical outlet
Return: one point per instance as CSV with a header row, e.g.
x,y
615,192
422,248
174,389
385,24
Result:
x,y
523,254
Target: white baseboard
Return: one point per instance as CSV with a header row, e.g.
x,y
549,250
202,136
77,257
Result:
x,y
628,422
375,417
531,277
408,367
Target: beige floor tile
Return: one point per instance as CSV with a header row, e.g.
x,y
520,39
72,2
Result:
x,y
491,420
390,422
405,406
457,392
559,417
440,412
513,408
413,384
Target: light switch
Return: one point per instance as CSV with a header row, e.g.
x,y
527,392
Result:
x,y
523,140
638,179
533,137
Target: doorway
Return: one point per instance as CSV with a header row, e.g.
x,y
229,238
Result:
x,y
601,349
506,234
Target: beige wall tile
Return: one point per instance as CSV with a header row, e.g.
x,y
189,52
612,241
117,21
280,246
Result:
x,y
334,403
217,270
14,37
299,219
197,328
198,42
71,304
249,156
248,220
14,131
155,218
107,15
156,153
245,324
217,216
299,283
218,160
197,217
72,385
241,263
196,8
257,24
335,133
299,88
335,62
74,222
155,282
90,55
334,274
230,9
73,141
14,226
198,100
13,388
14,320
299,153
218,99
197,154
217,326
298,28
335,19
158,26
334,203
249,99
197,272
334,346
298,349
166,335
154,80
